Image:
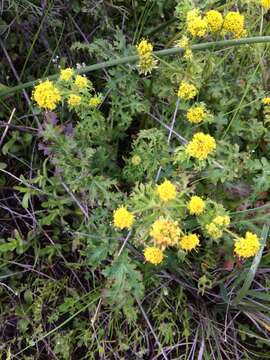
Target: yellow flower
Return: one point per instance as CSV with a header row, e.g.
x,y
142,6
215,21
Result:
x,y
122,218
153,255
222,221
265,4
66,74
192,14
144,48
184,44
247,246
266,101
188,54
74,100
146,59
196,205
136,160
201,146
234,23
166,191
213,231
46,95
187,91
95,101
81,82
196,114
165,232
189,242
214,20
196,25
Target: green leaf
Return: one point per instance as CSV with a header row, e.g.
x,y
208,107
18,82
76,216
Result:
x,y
125,282
8,246
25,200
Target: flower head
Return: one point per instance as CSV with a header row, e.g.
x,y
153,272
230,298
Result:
x,y
46,95
189,242
165,232
136,160
196,114
201,146
184,44
234,23
187,91
247,246
122,218
222,221
66,74
95,101
146,59
196,205
153,255
196,25
166,191
214,20
74,100
81,82
266,101
192,14
265,4
213,231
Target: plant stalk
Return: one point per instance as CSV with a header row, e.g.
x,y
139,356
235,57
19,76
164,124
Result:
x,y
134,58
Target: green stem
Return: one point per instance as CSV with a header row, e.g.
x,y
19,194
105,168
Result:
x,y
134,58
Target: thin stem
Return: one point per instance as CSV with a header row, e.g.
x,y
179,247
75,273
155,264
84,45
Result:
x,y
134,58
231,233
151,329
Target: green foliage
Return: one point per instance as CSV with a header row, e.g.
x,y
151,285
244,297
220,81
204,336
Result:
x,y
149,152
66,289
124,284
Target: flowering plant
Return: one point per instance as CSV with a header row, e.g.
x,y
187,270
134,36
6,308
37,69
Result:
x,y
148,187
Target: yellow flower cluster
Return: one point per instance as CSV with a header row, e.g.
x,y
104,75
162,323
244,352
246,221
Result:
x,y
196,25
146,59
197,114
201,146
247,246
266,110
213,231
216,227
166,191
66,74
184,44
189,242
266,101
222,221
196,205
74,100
46,95
265,4
187,91
81,82
214,20
234,23
165,232
153,255
136,160
122,218
95,101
